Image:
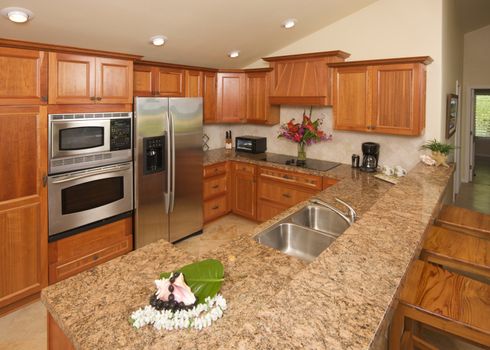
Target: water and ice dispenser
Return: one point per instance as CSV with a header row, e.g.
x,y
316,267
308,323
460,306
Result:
x,y
153,155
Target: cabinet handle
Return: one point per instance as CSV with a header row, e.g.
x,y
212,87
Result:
x,y
287,195
95,257
216,207
45,180
92,98
287,177
215,186
99,98
44,98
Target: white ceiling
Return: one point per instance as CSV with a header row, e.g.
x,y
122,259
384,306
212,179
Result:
x,y
473,14
199,32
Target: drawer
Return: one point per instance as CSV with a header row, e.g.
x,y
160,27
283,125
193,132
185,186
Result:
x,y
214,186
215,169
267,210
244,167
283,194
82,251
214,208
291,177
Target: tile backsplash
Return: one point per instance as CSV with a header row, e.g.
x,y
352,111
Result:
x,y
394,150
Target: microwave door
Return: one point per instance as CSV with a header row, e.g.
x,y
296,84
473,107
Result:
x,y
71,138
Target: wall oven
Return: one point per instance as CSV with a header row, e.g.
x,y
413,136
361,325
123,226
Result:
x,y
83,197
86,140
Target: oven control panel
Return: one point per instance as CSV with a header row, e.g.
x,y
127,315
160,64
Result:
x,y
120,134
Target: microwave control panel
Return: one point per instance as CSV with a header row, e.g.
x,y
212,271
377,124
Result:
x,y
120,134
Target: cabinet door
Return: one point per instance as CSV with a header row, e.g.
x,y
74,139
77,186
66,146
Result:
x,y
169,82
209,96
23,202
398,106
71,79
351,102
231,97
143,81
244,192
114,80
23,77
193,83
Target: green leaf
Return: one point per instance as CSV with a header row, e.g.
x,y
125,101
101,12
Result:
x,y
204,277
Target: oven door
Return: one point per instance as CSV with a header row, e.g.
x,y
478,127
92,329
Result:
x,y
84,197
71,138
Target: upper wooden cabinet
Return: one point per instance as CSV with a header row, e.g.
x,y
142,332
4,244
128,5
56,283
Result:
x,y
193,83
77,79
303,79
23,203
258,108
381,96
210,83
231,97
158,81
23,77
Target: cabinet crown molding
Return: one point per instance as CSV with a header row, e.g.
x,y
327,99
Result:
x,y
417,59
337,53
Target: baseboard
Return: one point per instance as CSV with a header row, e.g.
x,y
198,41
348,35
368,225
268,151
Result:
x,y
19,304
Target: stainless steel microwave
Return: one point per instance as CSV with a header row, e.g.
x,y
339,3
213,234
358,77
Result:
x,y
87,140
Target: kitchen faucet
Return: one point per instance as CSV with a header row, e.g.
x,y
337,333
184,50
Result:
x,y
349,217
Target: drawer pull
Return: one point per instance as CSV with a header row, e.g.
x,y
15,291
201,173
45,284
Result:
x,y
215,186
95,257
287,195
216,170
215,207
287,177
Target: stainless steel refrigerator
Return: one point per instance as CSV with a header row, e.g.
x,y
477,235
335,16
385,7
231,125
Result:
x,y
168,168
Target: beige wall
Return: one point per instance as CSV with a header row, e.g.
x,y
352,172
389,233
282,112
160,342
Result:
x,y
476,74
387,28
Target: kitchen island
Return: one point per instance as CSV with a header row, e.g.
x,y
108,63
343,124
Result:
x,y
342,300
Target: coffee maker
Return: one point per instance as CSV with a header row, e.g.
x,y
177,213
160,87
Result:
x,y
370,156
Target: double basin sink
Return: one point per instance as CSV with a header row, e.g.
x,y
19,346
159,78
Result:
x,y
307,232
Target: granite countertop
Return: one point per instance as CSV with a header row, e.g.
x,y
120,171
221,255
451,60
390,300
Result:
x,y
342,300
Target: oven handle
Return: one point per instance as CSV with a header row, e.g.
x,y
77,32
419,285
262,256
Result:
x,y
92,173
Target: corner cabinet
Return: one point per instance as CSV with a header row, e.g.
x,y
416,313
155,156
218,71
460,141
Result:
x,y
23,204
380,96
210,82
231,106
77,79
23,77
303,79
258,108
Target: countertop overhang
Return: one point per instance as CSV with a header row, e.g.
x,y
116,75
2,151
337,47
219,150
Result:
x,y
342,300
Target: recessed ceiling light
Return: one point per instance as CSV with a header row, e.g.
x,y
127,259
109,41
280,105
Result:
x,y
17,14
158,40
234,54
289,23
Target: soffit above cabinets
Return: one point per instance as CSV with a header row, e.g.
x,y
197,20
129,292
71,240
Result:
x,y
199,33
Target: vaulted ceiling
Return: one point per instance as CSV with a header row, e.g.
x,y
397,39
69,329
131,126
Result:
x,y
199,32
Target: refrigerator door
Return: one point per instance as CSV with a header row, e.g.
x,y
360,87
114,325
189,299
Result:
x,y
187,162
151,164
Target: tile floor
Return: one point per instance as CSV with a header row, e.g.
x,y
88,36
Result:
x,y
476,195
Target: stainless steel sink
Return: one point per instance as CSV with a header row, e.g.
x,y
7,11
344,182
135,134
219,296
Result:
x,y
295,240
320,219
309,231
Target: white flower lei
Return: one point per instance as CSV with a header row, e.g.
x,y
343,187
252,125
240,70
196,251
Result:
x,y
199,317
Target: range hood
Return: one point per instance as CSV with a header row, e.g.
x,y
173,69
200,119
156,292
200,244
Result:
x,y
303,79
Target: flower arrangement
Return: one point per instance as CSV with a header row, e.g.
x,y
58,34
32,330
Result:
x,y
186,298
304,134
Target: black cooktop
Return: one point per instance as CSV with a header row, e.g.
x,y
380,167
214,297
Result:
x,y
313,164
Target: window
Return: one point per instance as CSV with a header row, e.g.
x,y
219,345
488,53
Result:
x,y
482,113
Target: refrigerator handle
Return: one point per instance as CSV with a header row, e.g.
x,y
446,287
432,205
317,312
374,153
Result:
x,y
168,146
172,152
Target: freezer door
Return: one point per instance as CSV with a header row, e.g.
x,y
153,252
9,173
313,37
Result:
x,y
151,170
187,162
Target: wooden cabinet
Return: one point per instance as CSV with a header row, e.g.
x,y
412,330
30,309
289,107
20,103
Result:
x,y
23,203
258,108
23,77
303,79
193,83
143,80
77,79
380,96
244,195
210,83
231,105
72,255
280,189
158,81
216,191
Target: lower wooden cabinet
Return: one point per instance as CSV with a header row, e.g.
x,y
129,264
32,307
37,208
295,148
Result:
x,y
216,191
85,250
244,195
23,205
57,340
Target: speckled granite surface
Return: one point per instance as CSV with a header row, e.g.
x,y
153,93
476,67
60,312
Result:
x,y
342,300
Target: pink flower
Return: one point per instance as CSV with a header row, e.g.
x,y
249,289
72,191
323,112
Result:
x,y
182,292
